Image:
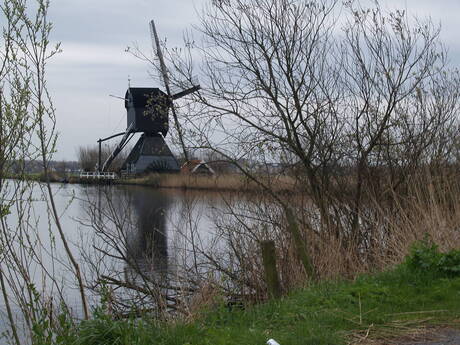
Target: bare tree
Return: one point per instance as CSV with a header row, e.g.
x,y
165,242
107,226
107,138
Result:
x,y
357,103
88,157
27,133
393,74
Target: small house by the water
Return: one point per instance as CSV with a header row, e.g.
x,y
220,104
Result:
x,y
197,167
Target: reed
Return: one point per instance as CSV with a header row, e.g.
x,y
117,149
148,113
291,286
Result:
x,y
429,208
228,182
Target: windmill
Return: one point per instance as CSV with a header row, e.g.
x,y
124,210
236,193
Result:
x,y
148,113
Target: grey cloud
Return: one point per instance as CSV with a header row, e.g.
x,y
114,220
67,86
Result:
x,y
95,33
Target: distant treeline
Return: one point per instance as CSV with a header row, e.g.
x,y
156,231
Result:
x,y
36,166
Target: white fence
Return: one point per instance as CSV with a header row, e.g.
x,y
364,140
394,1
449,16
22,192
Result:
x,y
99,175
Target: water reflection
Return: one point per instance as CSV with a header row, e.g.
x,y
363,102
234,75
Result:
x,y
141,237
148,246
131,223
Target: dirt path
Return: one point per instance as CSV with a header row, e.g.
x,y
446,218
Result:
x,y
441,337
428,336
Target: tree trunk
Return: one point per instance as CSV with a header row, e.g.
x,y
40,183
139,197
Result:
x,y
271,273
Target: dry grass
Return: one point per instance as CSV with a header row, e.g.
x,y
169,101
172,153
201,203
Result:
x,y
229,182
405,333
430,209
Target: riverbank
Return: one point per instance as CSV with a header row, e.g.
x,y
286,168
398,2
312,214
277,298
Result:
x,y
403,304
228,182
224,183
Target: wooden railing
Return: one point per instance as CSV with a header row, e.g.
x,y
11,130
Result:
x,y
99,175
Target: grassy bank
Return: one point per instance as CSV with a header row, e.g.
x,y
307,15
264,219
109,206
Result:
x,y
230,182
423,291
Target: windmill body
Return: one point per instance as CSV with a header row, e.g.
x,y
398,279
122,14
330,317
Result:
x,y
148,113
147,109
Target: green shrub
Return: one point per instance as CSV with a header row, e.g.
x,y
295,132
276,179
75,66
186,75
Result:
x,y
425,258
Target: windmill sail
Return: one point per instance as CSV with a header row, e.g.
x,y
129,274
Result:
x,y
164,73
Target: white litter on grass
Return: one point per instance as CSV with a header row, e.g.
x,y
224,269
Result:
x,y
272,342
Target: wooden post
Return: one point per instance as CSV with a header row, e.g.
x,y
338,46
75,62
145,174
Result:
x,y
301,247
271,273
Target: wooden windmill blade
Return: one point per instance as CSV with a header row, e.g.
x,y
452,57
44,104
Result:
x,y
157,49
185,92
164,72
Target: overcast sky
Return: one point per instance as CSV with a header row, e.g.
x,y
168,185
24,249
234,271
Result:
x,y
93,64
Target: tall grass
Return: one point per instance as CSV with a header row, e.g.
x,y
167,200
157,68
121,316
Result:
x,y
227,182
429,206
